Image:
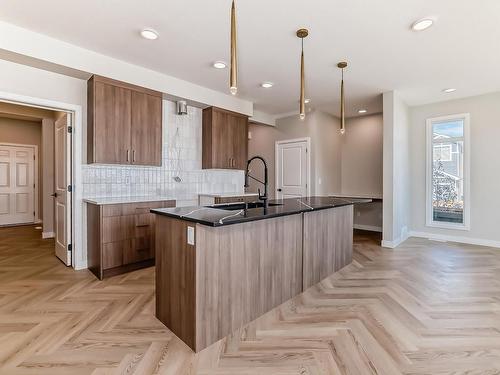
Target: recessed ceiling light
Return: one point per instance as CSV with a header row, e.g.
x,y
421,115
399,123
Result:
x,y
449,90
361,111
422,24
149,34
219,65
267,85
307,101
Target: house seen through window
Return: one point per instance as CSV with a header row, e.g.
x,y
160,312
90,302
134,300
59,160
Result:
x,y
447,178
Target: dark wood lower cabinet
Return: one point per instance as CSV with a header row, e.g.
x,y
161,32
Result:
x,y
121,237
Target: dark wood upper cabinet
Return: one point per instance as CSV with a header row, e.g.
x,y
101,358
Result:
x,y
240,141
146,129
225,139
124,123
112,111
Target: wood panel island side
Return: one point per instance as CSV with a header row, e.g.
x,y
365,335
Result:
x,y
221,267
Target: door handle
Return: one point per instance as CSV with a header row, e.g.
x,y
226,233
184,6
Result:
x,y
279,190
128,156
133,156
54,195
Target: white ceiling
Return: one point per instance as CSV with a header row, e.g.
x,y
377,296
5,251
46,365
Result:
x,y
460,51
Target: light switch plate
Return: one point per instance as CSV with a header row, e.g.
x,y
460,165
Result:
x,y
190,235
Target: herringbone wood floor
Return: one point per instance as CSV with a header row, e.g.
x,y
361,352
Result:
x,y
425,308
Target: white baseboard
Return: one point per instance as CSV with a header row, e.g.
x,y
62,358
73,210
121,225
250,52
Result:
x,y
395,243
459,239
81,266
48,235
391,244
371,228
388,244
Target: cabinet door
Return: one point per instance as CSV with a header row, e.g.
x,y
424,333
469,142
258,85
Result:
x,y
112,120
141,250
143,239
239,130
112,254
146,129
225,139
222,146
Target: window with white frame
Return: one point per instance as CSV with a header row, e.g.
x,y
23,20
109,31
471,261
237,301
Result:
x,y
448,172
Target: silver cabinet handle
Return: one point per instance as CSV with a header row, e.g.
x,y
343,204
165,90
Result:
x,y
128,156
133,156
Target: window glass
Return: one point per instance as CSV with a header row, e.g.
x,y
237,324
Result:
x,y
448,172
448,129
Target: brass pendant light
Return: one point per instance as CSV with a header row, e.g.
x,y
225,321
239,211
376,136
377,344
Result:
x,y
342,65
233,74
302,33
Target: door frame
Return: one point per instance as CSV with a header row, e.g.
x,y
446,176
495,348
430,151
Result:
x,y
35,176
308,160
76,112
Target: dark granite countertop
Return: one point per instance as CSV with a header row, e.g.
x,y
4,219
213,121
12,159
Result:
x,y
234,214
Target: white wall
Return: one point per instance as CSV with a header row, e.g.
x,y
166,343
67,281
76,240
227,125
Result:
x,y
37,83
396,174
485,166
327,151
362,156
322,128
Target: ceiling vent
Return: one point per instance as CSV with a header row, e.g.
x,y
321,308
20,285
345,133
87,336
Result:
x,y
182,108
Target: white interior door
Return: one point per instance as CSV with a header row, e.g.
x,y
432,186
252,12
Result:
x,y
62,172
292,168
17,184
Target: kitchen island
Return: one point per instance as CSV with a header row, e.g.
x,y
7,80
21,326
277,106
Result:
x,y
220,267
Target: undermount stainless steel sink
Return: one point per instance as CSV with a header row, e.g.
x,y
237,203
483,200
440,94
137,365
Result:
x,y
242,206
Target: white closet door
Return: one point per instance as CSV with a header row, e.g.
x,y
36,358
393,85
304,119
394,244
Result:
x,y
17,185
